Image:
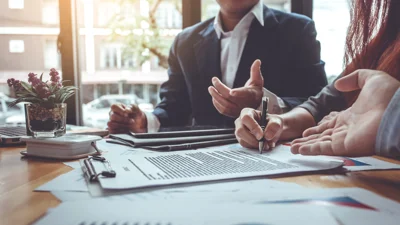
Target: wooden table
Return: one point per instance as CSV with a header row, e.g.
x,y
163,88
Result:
x,y
20,176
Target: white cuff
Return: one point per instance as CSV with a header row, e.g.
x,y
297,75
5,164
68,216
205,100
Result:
x,y
275,105
153,124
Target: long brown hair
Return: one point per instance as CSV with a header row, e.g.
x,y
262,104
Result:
x,y
373,38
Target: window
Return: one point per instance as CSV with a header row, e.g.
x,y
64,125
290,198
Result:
x,y
126,43
111,56
210,8
17,46
168,15
27,44
106,10
51,56
332,18
50,12
16,4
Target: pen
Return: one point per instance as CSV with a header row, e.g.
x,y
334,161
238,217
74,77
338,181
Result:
x,y
263,123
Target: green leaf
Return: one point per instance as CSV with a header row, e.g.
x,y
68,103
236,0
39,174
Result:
x,y
28,88
67,96
27,99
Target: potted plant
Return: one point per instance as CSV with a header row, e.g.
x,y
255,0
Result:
x,y
45,111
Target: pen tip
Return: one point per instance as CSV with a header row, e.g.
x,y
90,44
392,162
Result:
x,y
260,146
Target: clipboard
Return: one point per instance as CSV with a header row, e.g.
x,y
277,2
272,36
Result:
x,y
95,166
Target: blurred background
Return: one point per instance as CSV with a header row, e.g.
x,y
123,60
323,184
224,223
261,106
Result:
x,y
120,47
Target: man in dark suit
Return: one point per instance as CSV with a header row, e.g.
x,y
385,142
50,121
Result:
x,y
209,63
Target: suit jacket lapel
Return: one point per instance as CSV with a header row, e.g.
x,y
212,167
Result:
x,y
260,41
207,53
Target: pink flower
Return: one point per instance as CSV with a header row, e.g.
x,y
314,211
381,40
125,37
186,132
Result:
x,y
53,72
54,76
10,82
16,84
33,79
43,91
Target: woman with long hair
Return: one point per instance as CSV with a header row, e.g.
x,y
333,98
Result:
x,y
372,64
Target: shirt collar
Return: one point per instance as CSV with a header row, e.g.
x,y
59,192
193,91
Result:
x,y
257,11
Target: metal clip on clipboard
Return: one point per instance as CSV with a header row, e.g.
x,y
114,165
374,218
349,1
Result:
x,y
91,172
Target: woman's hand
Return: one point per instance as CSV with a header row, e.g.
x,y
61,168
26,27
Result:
x,y
351,132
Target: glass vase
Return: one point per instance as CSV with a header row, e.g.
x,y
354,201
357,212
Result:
x,y
44,121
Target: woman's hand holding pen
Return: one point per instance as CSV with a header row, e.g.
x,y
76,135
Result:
x,y
126,118
248,131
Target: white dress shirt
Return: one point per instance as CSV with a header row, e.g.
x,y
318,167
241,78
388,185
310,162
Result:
x,y
232,45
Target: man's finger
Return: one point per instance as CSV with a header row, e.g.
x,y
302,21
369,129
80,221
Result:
x,y
118,108
244,92
222,109
117,125
256,78
220,87
119,119
273,127
248,118
243,133
220,99
117,128
246,144
133,111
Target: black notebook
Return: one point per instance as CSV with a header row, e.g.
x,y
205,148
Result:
x,y
176,140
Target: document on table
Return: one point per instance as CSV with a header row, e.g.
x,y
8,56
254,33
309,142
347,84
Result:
x,y
348,205
365,163
216,163
356,198
68,194
71,181
98,212
209,187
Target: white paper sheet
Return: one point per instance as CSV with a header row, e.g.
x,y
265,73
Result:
x,y
71,181
366,163
348,205
217,163
363,217
357,197
98,212
73,164
148,193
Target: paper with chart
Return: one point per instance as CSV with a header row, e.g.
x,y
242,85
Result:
x,y
216,163
350,198
161,212
348,205
365,163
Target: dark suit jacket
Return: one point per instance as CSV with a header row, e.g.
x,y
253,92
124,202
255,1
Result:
x,y
286,45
